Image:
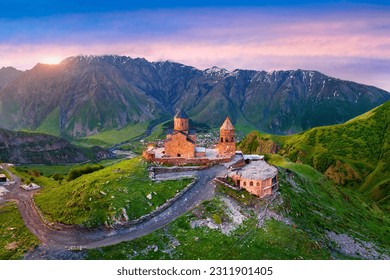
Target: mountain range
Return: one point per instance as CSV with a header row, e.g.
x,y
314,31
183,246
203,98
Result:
x,y
85,95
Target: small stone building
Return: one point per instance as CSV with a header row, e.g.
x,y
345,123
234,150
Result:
x,y
257,177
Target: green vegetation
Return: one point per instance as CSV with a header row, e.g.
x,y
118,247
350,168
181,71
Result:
x,y
16,239
112,137
158,132
311,202
180,241
355,154
51,175
259,143
51,124
82,170
105,196
44,170
316,204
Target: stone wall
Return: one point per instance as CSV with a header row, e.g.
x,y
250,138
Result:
x,y
184,161
173,169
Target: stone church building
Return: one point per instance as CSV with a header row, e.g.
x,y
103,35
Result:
x,y
180,145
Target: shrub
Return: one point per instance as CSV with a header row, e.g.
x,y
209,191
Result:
x,y
217,219
79,171
58,177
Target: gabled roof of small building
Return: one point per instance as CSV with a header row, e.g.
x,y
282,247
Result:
x,y
181,114
257,170
182,133
227,124
253,157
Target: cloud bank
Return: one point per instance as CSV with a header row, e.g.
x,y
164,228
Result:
x,y
350,44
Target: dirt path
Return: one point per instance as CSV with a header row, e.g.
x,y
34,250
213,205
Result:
x,y
59,237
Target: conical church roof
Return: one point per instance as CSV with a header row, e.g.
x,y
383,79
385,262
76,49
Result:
x,y
227,124
181,114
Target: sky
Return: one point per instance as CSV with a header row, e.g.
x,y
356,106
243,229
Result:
x,y
344,39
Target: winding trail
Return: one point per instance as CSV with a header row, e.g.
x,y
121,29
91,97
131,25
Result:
x,y
60,237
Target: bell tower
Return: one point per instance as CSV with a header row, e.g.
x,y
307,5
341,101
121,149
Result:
x,y
227,140
180,121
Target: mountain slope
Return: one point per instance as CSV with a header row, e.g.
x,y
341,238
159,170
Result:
x,y
7,75
85,95
356,153
25,148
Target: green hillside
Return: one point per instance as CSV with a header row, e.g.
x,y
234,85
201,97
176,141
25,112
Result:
x,y
51,124
104,196
115,136
16,239
304,222
355,154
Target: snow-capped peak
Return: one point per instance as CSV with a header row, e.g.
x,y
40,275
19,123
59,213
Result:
x,y
216,71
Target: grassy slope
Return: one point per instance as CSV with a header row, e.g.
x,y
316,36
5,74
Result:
x,y
356,153
315,206
99,197
15,239
49,170
51,124
112,137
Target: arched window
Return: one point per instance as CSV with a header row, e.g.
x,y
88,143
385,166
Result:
x,y
221,139
251,184
244,184
226,139
258,184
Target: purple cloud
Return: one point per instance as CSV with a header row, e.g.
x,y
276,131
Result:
x,y
352,44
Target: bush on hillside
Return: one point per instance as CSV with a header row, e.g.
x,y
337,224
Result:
x,y
79,171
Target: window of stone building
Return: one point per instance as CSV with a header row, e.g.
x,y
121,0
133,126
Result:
x,y
258,184
244,184
178,155
226,140
221,139
232,139
251,184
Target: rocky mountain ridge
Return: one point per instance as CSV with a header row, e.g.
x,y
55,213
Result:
x,y
25,148
7,75
84,95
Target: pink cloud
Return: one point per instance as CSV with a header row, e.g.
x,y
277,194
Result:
x,y
249,39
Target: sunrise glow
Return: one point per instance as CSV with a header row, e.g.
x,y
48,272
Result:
x,y
349,42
